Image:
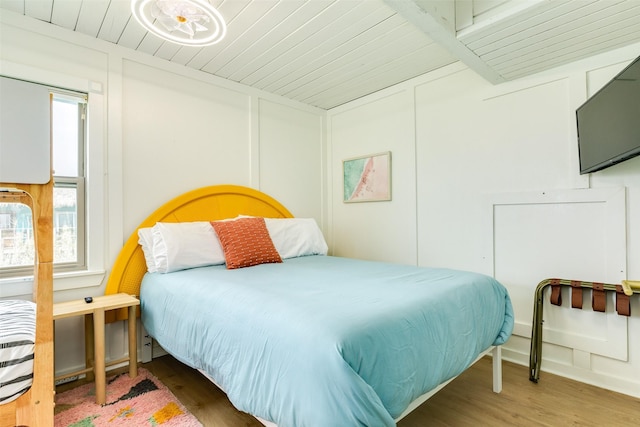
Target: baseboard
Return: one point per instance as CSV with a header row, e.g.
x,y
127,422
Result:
x,y
607,382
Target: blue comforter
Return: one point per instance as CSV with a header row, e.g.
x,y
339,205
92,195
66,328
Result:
x,y
326,341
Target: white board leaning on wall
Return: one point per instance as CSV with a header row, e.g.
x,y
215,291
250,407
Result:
x,y
25,137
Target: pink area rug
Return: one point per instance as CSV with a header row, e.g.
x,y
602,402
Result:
x,y
140,401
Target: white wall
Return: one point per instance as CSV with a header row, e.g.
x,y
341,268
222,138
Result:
x,y
289,137
161,130
365,230
485,178
179,134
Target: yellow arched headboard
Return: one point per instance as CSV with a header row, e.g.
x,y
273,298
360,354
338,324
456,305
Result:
x,y
205,204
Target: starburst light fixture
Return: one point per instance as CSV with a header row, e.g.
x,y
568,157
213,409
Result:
x,y
186,22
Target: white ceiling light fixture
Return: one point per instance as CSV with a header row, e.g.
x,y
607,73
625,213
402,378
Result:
x,y
186,22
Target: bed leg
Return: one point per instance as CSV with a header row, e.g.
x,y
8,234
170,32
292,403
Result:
x,y
497,368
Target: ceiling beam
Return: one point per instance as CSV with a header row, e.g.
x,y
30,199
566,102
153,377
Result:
x,y
437,19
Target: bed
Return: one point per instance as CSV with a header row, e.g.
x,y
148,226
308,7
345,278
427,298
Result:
x,y
28,398
17,346
313,340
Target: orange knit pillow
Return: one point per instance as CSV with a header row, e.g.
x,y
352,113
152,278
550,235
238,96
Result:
x,y
246,242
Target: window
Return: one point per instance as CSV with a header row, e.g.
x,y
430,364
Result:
x,y
68,130
68,140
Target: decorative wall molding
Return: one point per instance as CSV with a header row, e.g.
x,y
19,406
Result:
x,y
570,234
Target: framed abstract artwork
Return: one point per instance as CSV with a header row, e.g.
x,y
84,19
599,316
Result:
x,y
367,178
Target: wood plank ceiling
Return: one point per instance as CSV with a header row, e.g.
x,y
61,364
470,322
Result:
x,y
328,52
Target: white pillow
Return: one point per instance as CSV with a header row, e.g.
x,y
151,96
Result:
x,y
145,239
294,237
182,245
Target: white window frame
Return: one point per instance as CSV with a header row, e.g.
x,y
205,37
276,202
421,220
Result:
x,y
96,202
77,182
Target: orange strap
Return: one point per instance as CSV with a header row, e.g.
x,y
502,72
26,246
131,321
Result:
x,y
623,304
598,300
576,294
556,295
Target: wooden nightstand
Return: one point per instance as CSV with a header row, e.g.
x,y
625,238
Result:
x,y
94,335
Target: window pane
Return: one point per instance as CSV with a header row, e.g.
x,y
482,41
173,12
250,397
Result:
x,y
65,137
16,230
65,224
16,235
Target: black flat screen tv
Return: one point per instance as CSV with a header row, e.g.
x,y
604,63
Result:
x,y
609,122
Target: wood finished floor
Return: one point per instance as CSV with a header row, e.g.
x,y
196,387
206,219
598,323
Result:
x,y
466,401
